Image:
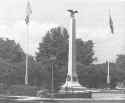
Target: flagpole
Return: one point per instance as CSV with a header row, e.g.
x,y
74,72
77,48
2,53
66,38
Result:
x,y
108,75
27,62
27,20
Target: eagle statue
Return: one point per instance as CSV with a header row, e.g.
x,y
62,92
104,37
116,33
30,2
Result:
x,y
72,12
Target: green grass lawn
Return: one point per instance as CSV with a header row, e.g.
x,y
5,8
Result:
x,y
19,90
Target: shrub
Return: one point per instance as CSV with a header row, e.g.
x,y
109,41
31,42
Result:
x,y
22,90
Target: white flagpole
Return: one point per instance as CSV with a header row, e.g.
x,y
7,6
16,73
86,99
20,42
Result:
x,y
108,76
26,72
27,20
108,63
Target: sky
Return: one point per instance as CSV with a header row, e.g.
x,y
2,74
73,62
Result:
x,y
92,23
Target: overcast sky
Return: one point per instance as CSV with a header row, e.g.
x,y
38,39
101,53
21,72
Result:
x,y
92,23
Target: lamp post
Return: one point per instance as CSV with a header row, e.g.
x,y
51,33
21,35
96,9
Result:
x,y
52,58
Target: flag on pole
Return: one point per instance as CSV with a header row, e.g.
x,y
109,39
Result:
x,y
111,24
28,12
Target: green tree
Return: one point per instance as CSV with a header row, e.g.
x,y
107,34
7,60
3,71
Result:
x,y
120,59
11,51
84,51
120,64
11,58
55,43
100,72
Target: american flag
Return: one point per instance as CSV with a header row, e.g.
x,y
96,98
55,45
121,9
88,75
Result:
x,y
28,12
111,24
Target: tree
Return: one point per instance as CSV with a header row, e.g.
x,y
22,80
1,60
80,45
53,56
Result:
x,y
10,51
13,67
39,76
101,71
85,53
120,59
12,58
55,43
5,70
120,64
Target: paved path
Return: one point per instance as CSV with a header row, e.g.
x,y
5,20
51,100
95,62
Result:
x,y
29,99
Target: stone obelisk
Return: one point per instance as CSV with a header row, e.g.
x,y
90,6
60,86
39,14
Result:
x,y
72,78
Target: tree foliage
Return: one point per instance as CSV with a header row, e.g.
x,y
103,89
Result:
x,y
10,51
85,53
11,56
55,43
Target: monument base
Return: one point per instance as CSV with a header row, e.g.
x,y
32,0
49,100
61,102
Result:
x,y
73,89
72,86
